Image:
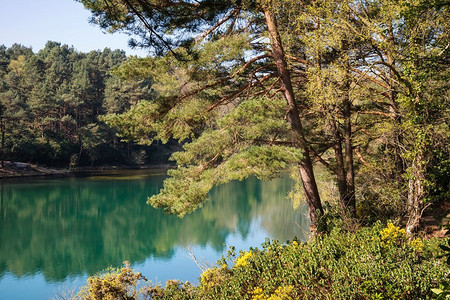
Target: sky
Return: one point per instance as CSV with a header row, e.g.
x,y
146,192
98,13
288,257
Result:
x,y
34,22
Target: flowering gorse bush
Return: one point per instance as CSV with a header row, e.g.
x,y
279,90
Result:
x,y
242,260
373,263
392,234
113,284
281,293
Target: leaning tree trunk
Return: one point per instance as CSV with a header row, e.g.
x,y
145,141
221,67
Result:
x,y
305,165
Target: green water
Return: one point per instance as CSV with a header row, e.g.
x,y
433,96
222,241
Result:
x,y
56,232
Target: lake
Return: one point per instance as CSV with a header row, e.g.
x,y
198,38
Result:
x,y
55,232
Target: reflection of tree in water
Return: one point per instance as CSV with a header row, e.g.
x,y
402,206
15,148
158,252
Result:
x,y
231,205
235,205
277,215
72,226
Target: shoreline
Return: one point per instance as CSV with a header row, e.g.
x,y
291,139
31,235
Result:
x,y
26,170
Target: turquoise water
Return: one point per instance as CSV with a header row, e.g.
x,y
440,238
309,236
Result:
x,y
54,233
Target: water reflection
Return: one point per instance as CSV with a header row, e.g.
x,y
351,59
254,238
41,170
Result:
x,y
68,227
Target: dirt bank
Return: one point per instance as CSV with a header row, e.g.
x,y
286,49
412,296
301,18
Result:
x,y
13,169
20,169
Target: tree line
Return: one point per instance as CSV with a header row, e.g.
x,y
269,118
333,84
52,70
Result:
x,y
51,102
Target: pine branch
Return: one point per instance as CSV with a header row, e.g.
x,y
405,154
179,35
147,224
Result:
x,y
236,93
234,13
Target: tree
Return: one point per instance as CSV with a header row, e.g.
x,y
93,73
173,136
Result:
x,y
50,103
226,81
384,61
364,78
408,44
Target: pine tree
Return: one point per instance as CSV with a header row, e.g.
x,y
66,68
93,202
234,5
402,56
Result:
x,y
217,79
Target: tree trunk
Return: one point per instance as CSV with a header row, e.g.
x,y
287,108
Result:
x,y
394,110
416,195
350,199
305,165
340,169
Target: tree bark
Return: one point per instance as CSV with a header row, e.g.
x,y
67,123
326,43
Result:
x,y
339,170
416,195
350,198
305,165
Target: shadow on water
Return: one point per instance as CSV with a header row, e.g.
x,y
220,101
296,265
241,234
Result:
x,y
71,226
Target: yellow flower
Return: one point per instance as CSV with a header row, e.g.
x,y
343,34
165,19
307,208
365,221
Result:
x,y
392,233
282,293
417,244
242,260
258,294
211,278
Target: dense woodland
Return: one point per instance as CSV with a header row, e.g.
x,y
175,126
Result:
x,y
51,103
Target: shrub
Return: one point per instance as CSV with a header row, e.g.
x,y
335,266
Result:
x,y
112,284
373,263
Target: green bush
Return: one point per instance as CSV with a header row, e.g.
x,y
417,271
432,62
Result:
x,y
376,262
113,284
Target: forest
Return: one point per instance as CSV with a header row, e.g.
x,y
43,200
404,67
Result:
x,y
51,103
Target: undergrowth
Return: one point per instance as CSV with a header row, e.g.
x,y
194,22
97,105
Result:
x,y
377,262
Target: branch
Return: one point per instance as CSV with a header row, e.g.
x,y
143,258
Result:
x,y
370,112
149,27
397,74
191,253
239,91
249,63
298,59
226,78
352,69
272,142
321,160
206,33
361,158
370,78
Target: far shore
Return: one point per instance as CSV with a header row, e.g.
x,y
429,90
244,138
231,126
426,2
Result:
x,y
20,169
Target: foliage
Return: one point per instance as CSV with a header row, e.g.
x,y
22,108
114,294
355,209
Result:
x,y
51,102
443,292
341,265
112,284
369,79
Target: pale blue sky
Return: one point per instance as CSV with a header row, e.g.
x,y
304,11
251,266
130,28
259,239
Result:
x,y
34,22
